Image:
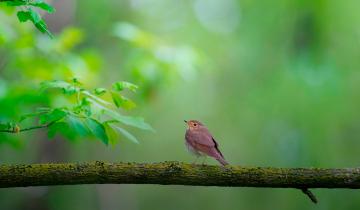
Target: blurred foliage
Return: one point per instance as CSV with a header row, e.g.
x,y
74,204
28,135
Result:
x,y
155,63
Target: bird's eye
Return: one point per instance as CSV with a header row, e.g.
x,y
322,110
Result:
x,y
195,124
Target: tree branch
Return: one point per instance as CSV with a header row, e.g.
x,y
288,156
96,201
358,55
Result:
x,y
175,173
17,129
25,129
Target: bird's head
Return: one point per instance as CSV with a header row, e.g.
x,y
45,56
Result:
x,y
193,124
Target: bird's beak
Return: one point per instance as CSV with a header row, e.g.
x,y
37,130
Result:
x,y
185,121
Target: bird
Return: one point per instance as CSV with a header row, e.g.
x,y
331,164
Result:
x,y
200,142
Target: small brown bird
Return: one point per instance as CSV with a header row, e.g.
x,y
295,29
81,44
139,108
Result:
x,y
200,142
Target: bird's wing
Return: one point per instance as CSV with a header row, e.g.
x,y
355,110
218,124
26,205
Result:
x,y
204,138
217,147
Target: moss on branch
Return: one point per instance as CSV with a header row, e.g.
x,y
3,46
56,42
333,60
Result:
x,y
175,173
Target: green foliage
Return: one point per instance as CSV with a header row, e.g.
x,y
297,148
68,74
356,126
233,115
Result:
x,y
111,133
88,115
53,116
119,86
99,91
67,88
7,126
43,5
58,127
84,114
127,134
77,126
128,120
97,129
121,101
27,13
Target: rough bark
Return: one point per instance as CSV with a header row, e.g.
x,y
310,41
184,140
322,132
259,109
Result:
x,y
175,173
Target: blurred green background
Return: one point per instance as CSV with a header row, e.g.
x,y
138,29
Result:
x,y
277,83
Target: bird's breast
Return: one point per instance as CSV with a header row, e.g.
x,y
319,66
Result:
x,y
192,149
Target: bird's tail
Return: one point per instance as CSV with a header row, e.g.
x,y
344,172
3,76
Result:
x,y
222,161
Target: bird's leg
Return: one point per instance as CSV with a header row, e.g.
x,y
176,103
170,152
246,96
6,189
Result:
x,y
197,157
203,163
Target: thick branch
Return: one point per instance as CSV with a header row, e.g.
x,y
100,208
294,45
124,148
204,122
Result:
x,y
174,173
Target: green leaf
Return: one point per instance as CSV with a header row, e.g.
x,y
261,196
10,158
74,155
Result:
x,y
85,106
70,90
116,99
111,133
97,129
39,22
9,126
137,122
23,16
128,104
57,127
26,116
35,17
15,3
55,115
43,109
78,125
127,134
76,81
119,86
100,91
95,97
5,126
67,88
53,84
121,101
62,128
42,27
50,9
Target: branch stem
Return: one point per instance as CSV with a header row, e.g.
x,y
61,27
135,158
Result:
x,y
26,129
175,173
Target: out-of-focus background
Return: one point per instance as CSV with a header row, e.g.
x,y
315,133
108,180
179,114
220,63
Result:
x,y
277,82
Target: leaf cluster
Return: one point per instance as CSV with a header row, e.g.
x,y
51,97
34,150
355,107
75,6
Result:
x,y
92,114
28,12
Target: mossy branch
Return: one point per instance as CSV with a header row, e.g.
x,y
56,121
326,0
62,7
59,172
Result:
x,y
175,173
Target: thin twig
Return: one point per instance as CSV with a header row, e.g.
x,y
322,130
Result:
x,y
27,129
